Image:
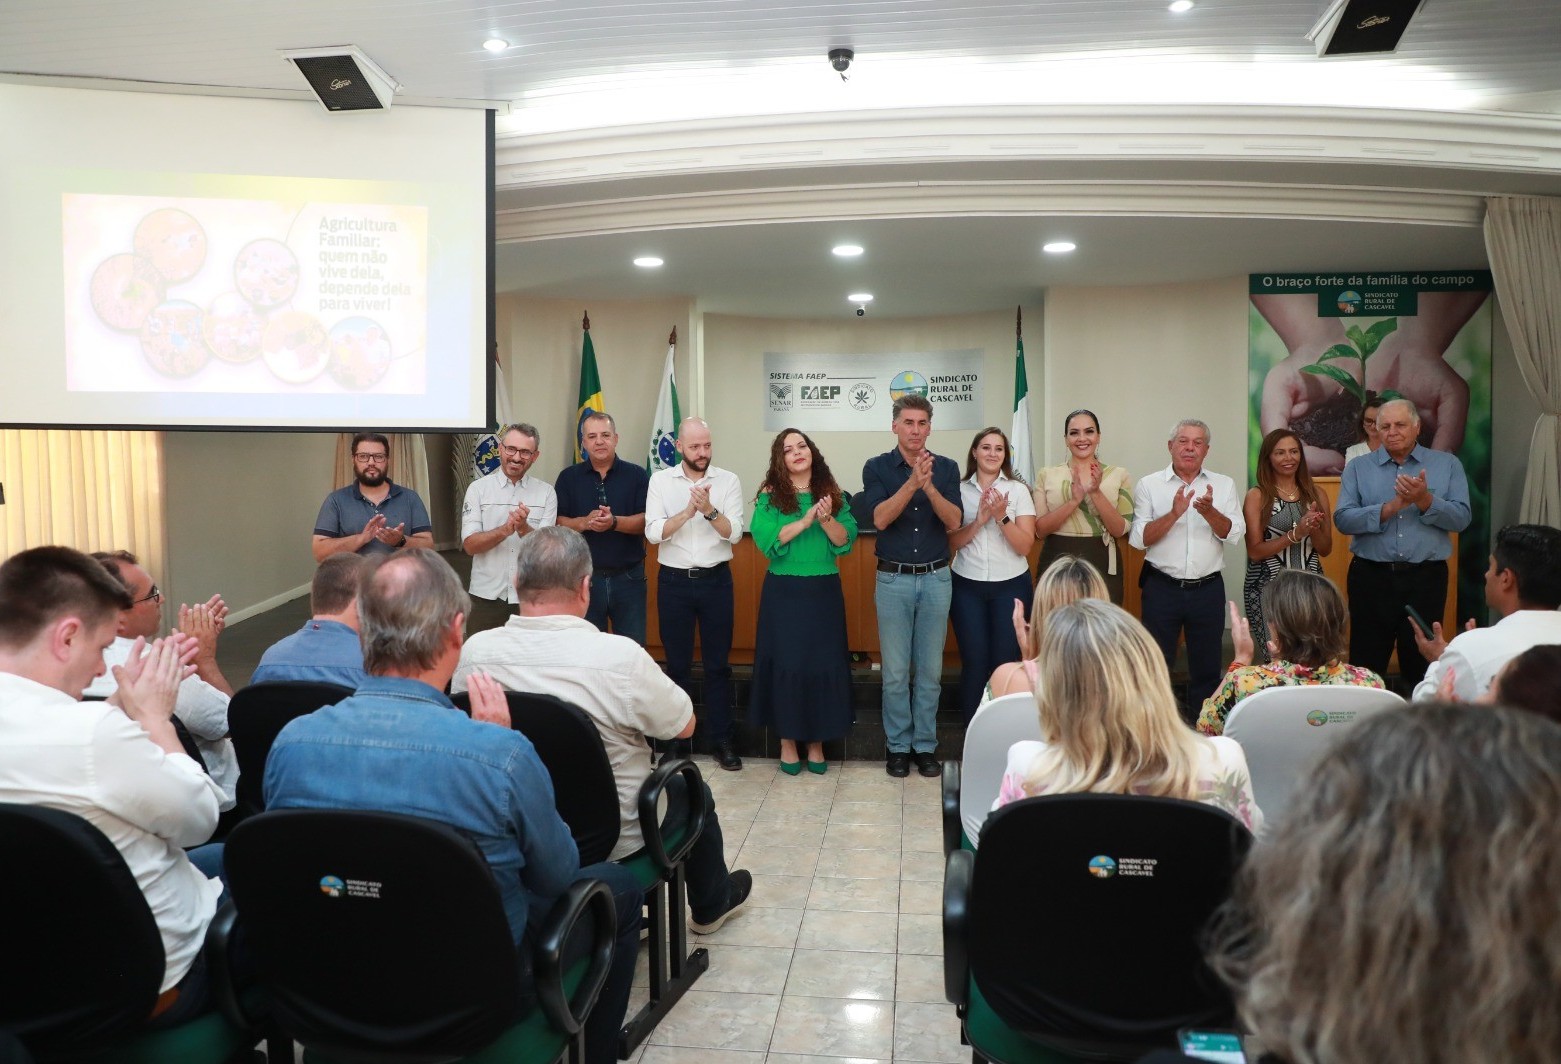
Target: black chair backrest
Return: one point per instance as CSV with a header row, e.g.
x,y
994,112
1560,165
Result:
x,y
375,932
81,959
585,791
1087,914
256,715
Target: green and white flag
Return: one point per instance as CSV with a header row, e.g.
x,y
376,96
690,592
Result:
x,y
664,426
1019,434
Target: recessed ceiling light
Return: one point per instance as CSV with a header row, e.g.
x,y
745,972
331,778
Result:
x,y
859,297
1058,247
1179,6
847,251
647,262
495,44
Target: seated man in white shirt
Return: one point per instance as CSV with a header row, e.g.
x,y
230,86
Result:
x,y
1523,584
203,697
117,764
550,648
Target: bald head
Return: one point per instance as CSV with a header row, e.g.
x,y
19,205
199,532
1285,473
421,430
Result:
x,y
694,445
410,608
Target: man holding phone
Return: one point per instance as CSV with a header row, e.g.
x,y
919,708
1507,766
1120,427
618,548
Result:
x,y
1399,504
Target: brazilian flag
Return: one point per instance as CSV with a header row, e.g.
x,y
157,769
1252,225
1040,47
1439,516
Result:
x,y
590,392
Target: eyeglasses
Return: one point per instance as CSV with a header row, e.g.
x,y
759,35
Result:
x,y
366,459
517,452
154,595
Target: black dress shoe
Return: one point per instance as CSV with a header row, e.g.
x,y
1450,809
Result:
x,y
928,765
898,765
727,757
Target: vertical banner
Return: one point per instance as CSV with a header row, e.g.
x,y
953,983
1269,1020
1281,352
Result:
x,y
1320,344
590,400
663,453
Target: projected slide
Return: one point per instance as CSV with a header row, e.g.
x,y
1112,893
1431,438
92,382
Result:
x,y
273,294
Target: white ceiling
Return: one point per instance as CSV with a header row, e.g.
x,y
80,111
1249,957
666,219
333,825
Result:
x,y
580,64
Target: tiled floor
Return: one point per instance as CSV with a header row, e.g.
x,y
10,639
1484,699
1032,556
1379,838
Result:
x,y
838,955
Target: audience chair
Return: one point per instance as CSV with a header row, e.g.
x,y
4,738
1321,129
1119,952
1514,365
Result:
x,y
382,939
586,795
1283,730
81,959
256,715
1074,931
969,792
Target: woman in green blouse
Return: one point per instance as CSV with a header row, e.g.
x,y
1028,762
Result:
x,y
802,666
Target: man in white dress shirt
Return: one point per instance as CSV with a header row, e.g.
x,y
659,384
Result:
x,y
1182,518
117,764
499,509
1523,584
203,697
694,512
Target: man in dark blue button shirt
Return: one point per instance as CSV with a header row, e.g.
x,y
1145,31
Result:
x,y
603,498
912,496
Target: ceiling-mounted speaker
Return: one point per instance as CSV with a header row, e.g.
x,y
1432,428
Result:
x,y
344,78
1362,27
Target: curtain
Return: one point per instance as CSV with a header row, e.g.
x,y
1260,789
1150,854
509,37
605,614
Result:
x,y
1523,241
408,462
90,490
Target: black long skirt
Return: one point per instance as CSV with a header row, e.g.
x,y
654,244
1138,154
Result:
x,y
801,664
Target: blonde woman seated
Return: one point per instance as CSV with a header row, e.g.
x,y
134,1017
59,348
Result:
x,y
1405,908
1110,724
1306,644
1068,579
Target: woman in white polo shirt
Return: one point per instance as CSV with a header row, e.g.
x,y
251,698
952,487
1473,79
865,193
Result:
x,y
991,563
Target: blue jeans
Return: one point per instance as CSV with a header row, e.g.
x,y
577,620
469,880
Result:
x,y
913,617
983,616
619,596
681,603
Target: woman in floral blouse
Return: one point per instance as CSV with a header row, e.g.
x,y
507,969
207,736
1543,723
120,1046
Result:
x,y
1306,644
1110,724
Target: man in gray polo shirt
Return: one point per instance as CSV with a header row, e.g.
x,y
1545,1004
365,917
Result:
x,y
372,515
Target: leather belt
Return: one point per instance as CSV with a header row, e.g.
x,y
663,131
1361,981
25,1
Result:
x,y
1199,582
912,568
698,574
1401,567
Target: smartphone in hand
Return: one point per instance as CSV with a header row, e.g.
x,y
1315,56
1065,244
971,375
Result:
x,y
1223,1047
1419,621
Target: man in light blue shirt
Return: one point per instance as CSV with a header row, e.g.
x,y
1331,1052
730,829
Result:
x,y
1399,503
326,648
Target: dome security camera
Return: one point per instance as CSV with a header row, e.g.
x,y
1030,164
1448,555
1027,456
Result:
x,y
840,59
861,311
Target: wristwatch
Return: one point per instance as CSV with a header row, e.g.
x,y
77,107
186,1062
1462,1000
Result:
x,y
1006,519
712,515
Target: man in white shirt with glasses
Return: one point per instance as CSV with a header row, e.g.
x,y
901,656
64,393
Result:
x,y
499,509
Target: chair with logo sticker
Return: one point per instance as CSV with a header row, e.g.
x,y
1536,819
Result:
x,y
1075,930
1283,730
383,938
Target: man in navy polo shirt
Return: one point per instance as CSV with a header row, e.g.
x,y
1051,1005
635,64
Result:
x,y
603,498
912,496
372,515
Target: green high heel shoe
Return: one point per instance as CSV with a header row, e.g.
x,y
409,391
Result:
x,y
791,768
818,767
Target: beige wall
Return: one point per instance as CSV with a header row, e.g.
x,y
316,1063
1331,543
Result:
x,y
539,347
240,511
734,350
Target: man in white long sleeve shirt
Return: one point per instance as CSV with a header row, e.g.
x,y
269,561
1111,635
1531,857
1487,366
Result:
x,y
1523,584
118,764
203,697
